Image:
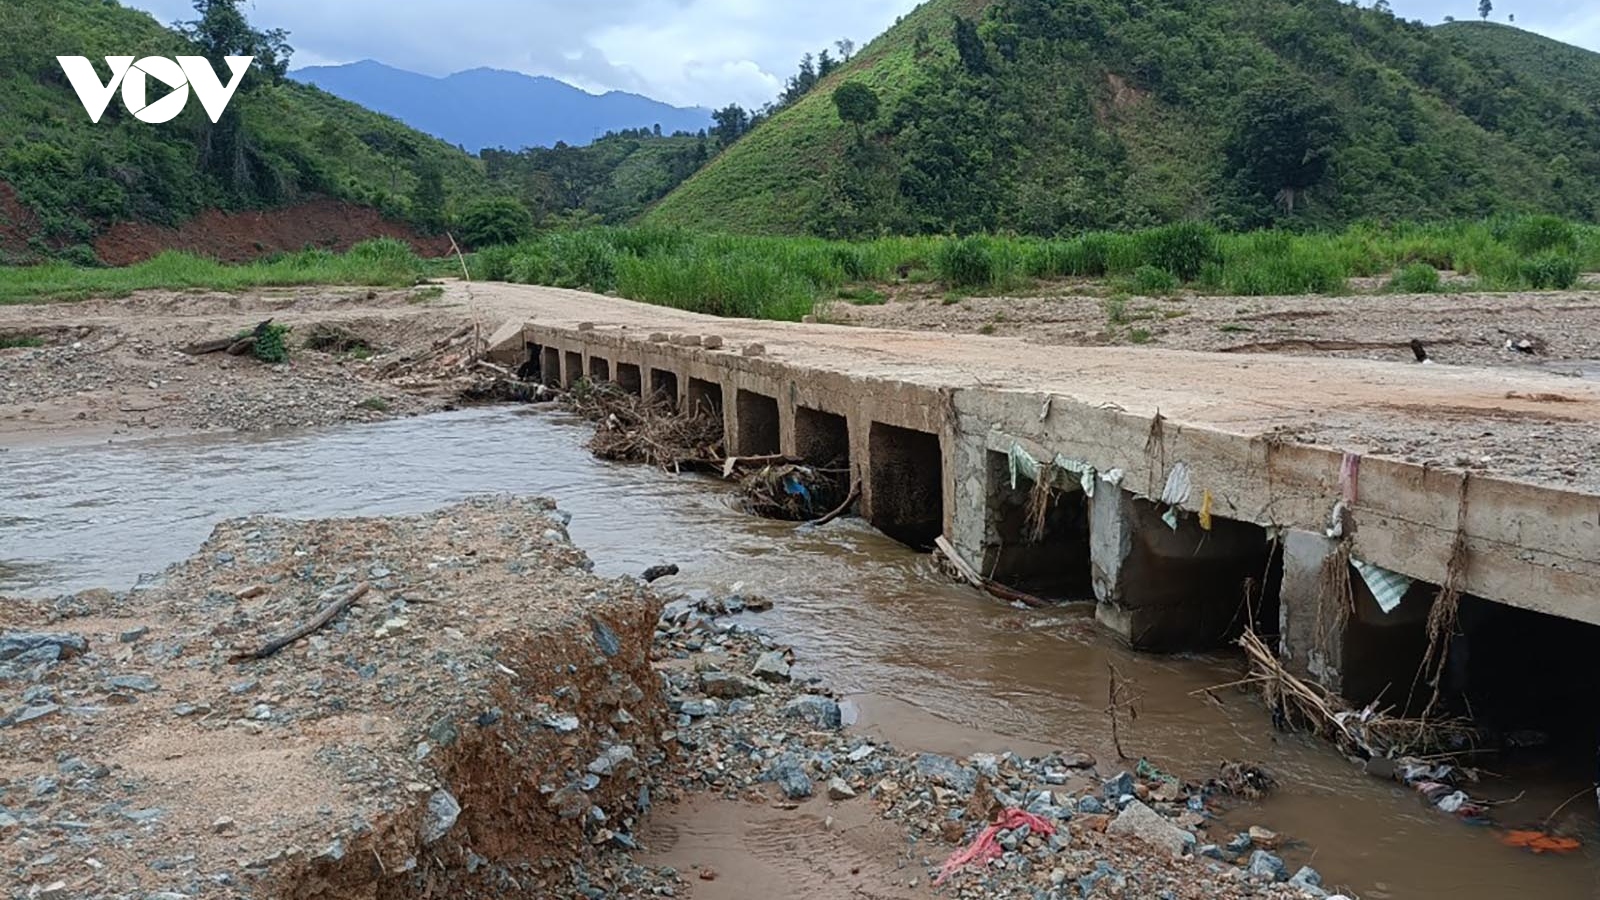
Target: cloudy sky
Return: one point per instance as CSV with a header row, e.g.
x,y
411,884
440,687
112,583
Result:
x,y
687,52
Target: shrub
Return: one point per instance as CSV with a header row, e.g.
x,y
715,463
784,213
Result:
x,y
1550,271
493,264
1182,249
272,343
495,222
965,263
1154,280
1533,235
1417,278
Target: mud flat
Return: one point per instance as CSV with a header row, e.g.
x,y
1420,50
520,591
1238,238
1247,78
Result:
x,y
483,714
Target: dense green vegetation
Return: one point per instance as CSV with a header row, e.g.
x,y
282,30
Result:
x,y
1053,118
609,181
380,262
783,278
1570,69
279,141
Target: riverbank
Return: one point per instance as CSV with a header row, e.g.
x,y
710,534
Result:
x,y
481,718
116,368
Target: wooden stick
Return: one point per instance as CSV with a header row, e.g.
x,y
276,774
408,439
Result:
x,y
849,501
989,586
323,618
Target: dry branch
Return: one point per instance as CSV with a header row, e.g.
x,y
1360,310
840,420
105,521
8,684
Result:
x,y
328,614
988,586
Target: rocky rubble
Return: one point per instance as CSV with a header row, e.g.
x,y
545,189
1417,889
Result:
x,y
748,733
484,716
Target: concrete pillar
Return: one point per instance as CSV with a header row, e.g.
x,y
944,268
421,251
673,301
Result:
x,y
1305,646
1166,590
1346,642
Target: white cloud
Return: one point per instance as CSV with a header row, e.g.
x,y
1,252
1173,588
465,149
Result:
x,y
700,52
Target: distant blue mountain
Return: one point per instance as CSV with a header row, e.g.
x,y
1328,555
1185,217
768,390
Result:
x,y
482,108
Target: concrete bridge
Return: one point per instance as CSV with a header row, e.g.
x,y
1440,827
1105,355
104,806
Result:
x,y
1195,490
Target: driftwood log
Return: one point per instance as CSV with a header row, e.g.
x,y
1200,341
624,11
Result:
x,y
989,586
235,345
328,614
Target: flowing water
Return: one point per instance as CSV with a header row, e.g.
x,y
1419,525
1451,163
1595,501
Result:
x,y
930,664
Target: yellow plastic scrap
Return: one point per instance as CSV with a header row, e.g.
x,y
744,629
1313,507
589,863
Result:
x,y
1205,511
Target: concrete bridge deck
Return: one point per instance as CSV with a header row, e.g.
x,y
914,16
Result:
x,y
1267,451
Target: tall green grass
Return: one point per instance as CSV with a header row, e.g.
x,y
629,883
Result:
x,y
783,278
379,263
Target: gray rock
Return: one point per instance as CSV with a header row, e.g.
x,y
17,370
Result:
x,y
561,724
605,638
1268,866
839,789
60,644
1309,882
132,635
144,684
772,666
791,779
816,710
1091,806
1240,844
727,686
946,772
25,714
1145,824
613,758
1117,788
443,810
699,709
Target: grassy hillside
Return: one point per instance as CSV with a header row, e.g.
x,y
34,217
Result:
x,y
1060,117
278,142
1573,70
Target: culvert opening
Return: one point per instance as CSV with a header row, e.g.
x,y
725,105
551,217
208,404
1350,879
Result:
x,y
529,370
599,370
664,386
1382,652
1038,541
822,439
630,379
1173,589
550,367
1526,679
820,485
574,369
907,484
758,424
705,397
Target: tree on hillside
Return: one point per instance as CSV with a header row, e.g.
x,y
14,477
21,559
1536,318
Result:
x,y
428,211
222,31
857,104
732,122
846,48
969,46
1485,9
1284,135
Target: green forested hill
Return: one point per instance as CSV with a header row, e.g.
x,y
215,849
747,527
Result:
x,y
1051,116
1573,70
278,142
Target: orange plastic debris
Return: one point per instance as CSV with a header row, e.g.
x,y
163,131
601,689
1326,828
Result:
x,y
1540,842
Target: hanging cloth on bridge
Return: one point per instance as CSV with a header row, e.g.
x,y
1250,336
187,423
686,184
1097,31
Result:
x,y
1387,587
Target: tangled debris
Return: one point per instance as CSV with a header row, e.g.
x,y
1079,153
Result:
x,y
630,428
793,492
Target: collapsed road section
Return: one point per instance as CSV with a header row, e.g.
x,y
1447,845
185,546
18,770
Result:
x,y
333,709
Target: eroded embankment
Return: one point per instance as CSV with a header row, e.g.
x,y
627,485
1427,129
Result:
x,y
480,717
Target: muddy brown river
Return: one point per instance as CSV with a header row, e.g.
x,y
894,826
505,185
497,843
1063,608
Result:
x,y
930,665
